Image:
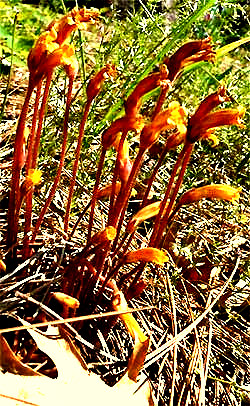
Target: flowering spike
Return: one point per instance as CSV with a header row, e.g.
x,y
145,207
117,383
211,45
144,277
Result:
x,y
208,104
75,19
193,51
49,49
149,254
224,192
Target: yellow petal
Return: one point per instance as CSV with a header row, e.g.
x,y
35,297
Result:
x,y
149,254
34,175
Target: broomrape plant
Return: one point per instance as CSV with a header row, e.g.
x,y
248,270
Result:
x,y
101,262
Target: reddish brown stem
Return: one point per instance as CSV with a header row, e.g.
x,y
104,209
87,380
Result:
x,y
122,199
28,197
76,163
61,163
188,151
40,120
115,177
14,197
166,197
95,193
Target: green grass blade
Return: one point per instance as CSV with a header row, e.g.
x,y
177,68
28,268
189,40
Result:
x,y
230,47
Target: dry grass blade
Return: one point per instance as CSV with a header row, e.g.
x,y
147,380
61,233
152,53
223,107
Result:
x,y
159,352
74,319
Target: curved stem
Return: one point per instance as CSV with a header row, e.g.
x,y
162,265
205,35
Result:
x,y
76,163
17,165
61,163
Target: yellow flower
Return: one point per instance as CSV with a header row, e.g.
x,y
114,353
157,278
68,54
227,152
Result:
x,y
34,176
2,266
173,117
66,300
149,254
145,213
108,234
224,192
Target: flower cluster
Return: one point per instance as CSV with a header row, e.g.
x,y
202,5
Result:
x,y
50,49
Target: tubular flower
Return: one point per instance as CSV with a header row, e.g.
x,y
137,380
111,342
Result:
x,y
193,51
173,117
121,124
208,104
107,190
133,102
145,213
108,234
120,305
94,85
223,192
202,128
66,300
149,254
2,266
75,19
64,56
41,55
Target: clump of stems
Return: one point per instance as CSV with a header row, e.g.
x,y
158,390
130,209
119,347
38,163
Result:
x,y
106,252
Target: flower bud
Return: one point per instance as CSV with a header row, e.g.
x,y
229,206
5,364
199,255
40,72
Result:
x,y
224,192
